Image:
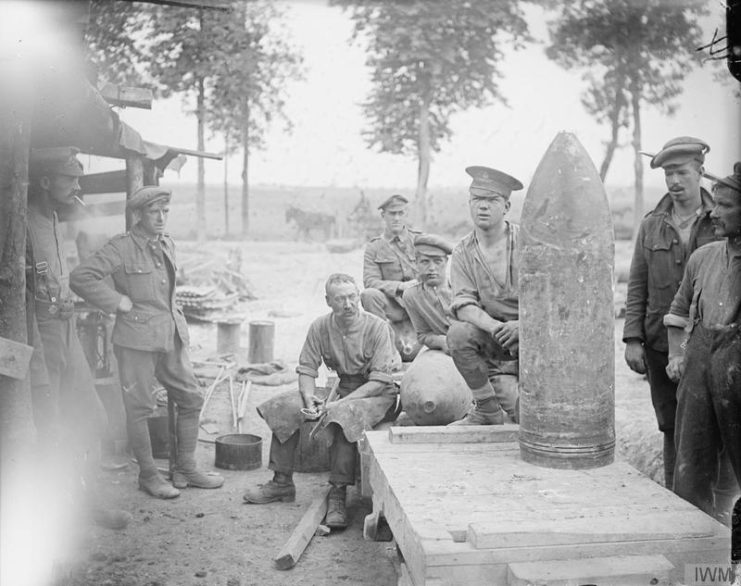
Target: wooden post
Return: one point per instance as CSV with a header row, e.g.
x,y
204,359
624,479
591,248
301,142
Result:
x,y
262,338
134,180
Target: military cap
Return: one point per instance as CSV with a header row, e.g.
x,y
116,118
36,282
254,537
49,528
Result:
x,y
492,180
146,195
680,150
395,202
733,181
55,160
431,245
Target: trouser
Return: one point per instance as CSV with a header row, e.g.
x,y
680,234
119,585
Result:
x,y
478,358
708,431
664,400
378,303
342,456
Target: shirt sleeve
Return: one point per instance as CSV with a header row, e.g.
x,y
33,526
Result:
x,y
310,358
372,277
635,305
425,334
679,312
385,358
465,291
87,279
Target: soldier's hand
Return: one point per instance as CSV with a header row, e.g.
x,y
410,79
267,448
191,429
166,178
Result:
x,y
675,368
635,356
507,334
125,305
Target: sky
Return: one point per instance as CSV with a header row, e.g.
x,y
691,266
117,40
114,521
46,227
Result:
x,y
326,147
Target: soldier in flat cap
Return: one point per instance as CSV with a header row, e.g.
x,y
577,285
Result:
x,y
668,234
484,340
705,358
388,263
428,300
69,416
150,337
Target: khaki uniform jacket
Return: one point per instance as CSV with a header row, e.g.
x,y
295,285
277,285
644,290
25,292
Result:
x,y
144,270
387,264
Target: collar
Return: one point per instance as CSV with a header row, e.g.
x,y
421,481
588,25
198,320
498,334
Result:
x,y
665,204
143,238
391,237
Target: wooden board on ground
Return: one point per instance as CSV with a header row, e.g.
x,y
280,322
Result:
x,y
467,513
289,555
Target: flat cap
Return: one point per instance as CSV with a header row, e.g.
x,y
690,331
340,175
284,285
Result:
x,y
493,180
395,202
55,160
432,245
680,150
733,181
146,195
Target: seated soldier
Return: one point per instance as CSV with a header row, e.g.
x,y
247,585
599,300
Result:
x,y
428,301
359,347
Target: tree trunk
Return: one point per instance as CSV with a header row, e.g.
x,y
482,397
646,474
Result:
x,y
226,184
245,174
201,188
637,161
617,107
424,153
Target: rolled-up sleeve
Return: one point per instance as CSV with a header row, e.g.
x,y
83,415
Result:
x,y
385,359
425,333
679,312
310,358
465,290
87,279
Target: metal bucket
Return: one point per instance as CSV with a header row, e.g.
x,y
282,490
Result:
x,y
238,451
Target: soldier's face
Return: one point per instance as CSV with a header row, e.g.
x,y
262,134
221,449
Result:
x,y
394,219
153,218
726,214
344,299
431,269
683,180
487,208
61,188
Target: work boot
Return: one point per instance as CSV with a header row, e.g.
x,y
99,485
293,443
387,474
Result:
x,y
150,480
336,513
486,412
185,473
158,487
110,518
280,488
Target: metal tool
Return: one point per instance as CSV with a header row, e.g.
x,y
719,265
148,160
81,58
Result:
x,y
323,414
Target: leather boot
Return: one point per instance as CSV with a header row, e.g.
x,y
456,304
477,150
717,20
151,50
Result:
x,y
280,488
486,412
336,511
150,480
185,473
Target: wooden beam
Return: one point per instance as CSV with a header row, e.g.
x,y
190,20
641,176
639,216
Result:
x,y
109,182
134,180
195,153
473,434
289,555
134,97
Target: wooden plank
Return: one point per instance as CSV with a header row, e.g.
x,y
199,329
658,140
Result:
x,y
134,97
109,182
14,358
456,434
289,555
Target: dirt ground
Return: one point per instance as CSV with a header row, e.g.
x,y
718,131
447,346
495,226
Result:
x,y
210,537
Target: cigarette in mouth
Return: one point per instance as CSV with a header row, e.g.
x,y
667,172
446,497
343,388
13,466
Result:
x,y
82,203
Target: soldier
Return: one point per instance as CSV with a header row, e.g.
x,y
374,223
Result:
x,y
150,337
428,301
67,410
388,263
483,272
358,346
668,234
702,328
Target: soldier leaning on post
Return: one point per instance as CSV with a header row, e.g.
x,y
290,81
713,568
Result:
x,y
705,357
428,301
359,347
67,410
150,337
483,272
667,236
388,263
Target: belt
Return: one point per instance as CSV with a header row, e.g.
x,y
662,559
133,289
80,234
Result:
x,y
63,309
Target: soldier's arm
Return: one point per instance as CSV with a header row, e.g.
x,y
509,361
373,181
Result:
x,y
637,298
372,277
425,334
466,305
384,360
678,319
309,362
87,279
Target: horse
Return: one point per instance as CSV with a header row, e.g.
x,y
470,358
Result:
x,y
308,221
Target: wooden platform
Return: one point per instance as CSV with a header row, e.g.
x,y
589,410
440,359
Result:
x,y
465,509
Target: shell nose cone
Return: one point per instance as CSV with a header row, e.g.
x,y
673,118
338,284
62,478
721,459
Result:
x,y
566,200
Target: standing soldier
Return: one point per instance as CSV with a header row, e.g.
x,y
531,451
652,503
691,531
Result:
x,y
668,234
150,337
68,413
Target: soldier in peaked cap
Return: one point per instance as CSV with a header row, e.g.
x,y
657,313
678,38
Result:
x,y
667,236
388,263
705,358
484,340
150,337
69,416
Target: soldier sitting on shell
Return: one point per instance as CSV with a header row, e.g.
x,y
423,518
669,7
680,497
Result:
x,y
359,347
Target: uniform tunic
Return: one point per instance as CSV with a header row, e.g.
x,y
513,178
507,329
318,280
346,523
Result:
x,y
429,310
389,261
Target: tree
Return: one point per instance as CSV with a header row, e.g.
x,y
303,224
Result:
x,y
428,60
249,83
634,53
